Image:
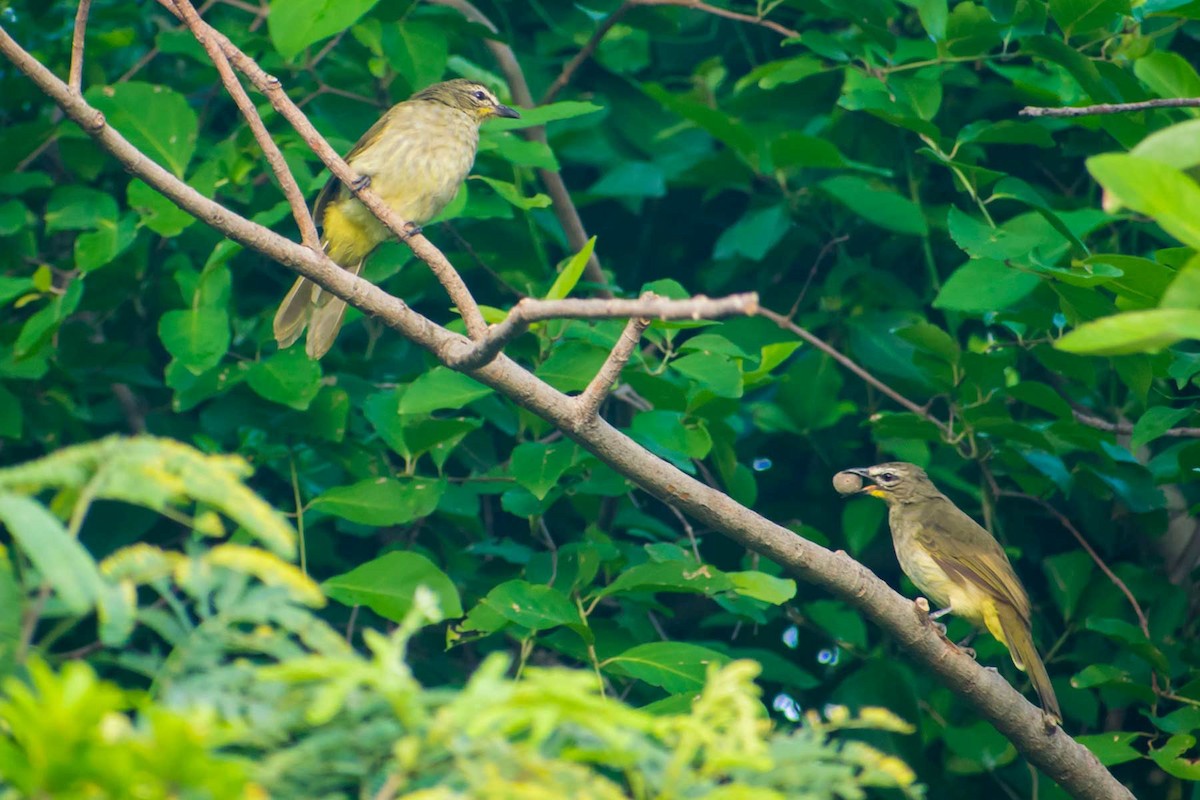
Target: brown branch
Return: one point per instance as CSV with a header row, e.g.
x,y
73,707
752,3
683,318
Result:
x,y
568,70
1110,108
724,12
75,79
588,404
460,295
1127,427
1058,755
854,367
560,198
528,311
287,181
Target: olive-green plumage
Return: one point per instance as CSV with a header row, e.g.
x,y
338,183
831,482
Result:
x,y
415,158
958,565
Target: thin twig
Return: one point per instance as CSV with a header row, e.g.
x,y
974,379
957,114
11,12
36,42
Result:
x,y
826,249
1127,427
589,402
75,79
287,181
453,283
568,70
854,367
726,13
528,311
1110,108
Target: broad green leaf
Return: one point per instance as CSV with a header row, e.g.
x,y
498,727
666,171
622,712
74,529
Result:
x,y
59,558
95,249
571,272
982,285
157,212
671,435
538,466
157,120
1111,748
1167,74
1081,16
1176,146
1154,423
387,584
296,24
631,179
840,621
672,666
754,234
382,501
572,365
1068,574
12,417
1153,188
1170,757
1184,291
532,117
862,519
670,576
12,597
880,206
14,216
529,605
441,387
513,195
73,208
716,372
288,377
197,337
764,587
415,48
1133,332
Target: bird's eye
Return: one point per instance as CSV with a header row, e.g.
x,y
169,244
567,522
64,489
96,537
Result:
x,y
887,477
480,96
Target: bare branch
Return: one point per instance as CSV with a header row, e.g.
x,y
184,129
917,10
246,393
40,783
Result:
x,y
568,70
1110,108
854,367
560,198
724,12
528,311
75,79
588,404
287,181
422,247
1074,767
1127,428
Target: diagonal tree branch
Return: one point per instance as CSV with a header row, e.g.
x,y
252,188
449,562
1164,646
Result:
x,y
1067,762
588,404
568,70
75,81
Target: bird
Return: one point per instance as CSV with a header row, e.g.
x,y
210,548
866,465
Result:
x,y
955,562
414,158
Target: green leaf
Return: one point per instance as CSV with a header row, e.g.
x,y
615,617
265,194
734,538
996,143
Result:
x,y
441,387
97,248
670,576
1171,760
671,435
14,216
296,24
288,377
157,120
570,274
1167,74
513,195
754,234
879,206
415,48
1069,574
1099,675
716,372
532,117
538,466
862,519
572,365
197,337
1184,289
1130,636
840,621
1082,16
1111,748
1154,423
12,598
764,587
631,179
387,584
529,605
1133,332
59,558
382,501
73,208
983,285
12,418
157,212
1153,188
673,666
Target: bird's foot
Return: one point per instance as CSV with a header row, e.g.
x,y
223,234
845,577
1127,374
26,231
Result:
x,y
970,651
922,607
411,230
361,182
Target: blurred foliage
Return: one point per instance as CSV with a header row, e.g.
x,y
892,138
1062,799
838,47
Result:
x,y
1032,282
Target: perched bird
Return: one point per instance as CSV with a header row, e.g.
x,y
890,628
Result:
x,y
415,158
954,561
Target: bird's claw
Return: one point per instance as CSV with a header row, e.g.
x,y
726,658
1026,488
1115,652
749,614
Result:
x,y
361,182
970,651
411,230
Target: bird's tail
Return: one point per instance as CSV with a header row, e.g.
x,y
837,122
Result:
x,y
1019,638
293,313
327,315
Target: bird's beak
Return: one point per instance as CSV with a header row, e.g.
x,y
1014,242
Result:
x,y
506,112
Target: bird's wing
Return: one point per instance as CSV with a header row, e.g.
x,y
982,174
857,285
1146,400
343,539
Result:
x,y
333,189
966,551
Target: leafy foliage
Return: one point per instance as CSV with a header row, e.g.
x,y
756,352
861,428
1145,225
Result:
x,y
1029,282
